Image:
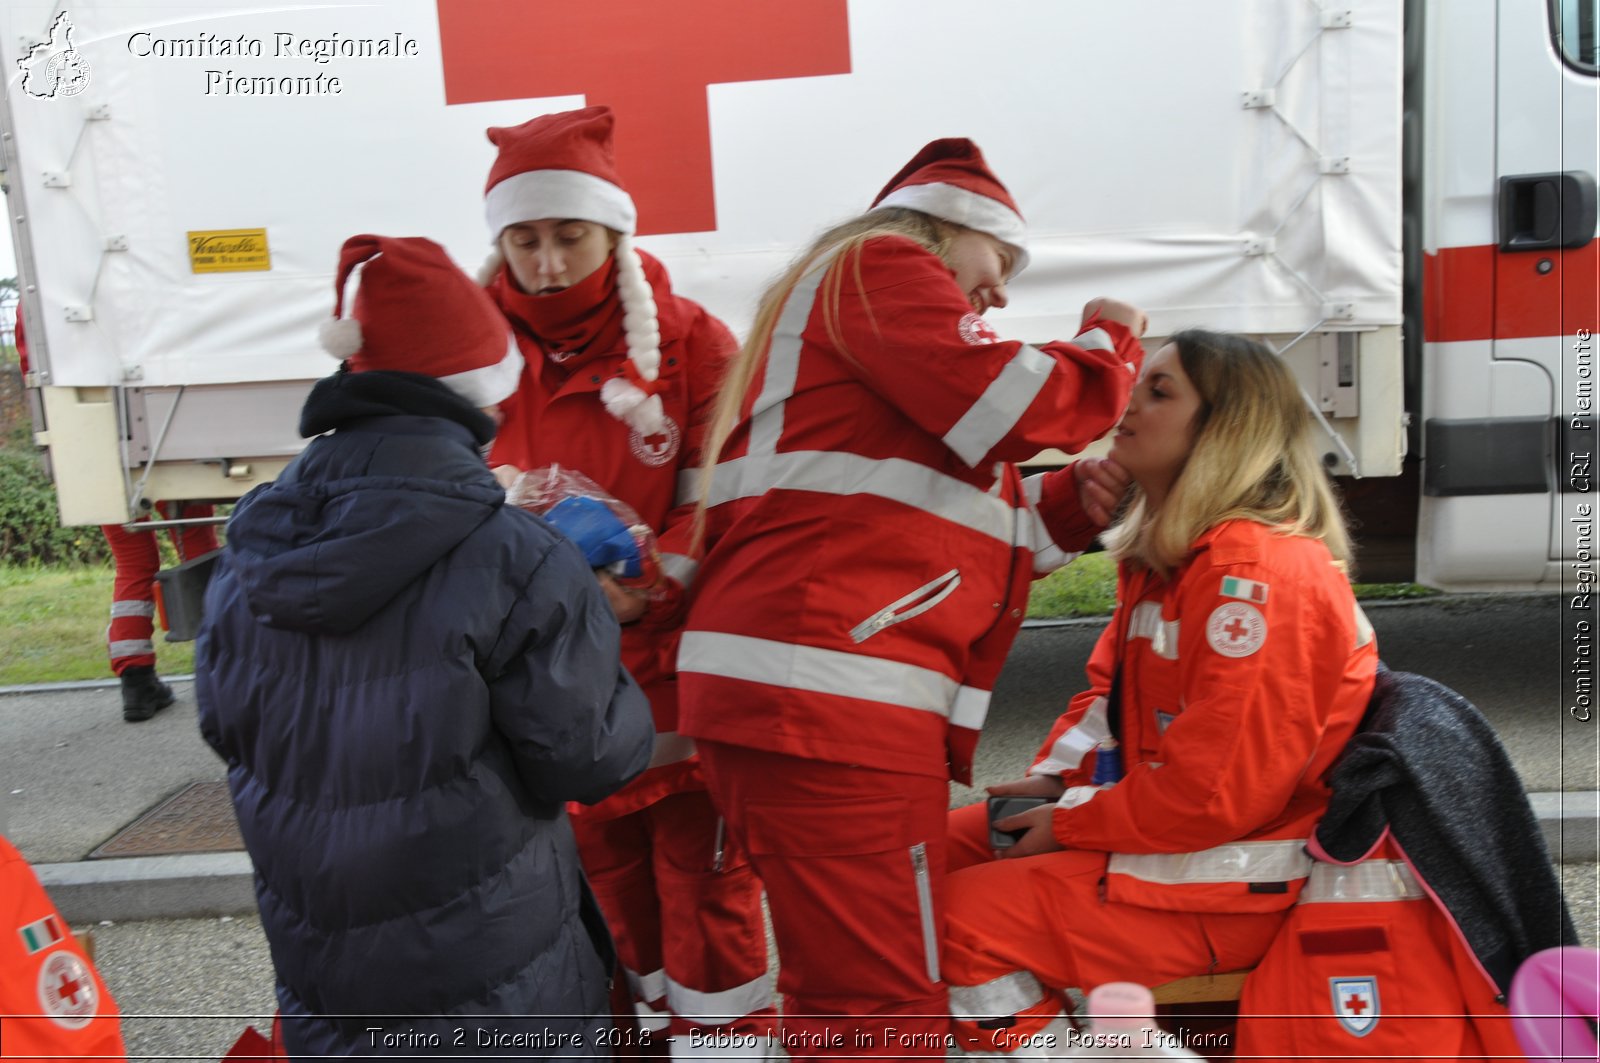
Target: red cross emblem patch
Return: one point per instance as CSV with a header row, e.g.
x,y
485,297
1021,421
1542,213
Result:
x,y
976,331
1355,1003
1236,629
67,994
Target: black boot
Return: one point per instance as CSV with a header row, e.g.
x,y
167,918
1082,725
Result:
x,y
143,694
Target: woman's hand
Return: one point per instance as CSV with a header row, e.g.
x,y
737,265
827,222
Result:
x,y
1102,483
628,604
1040,838
1116,310
1036,821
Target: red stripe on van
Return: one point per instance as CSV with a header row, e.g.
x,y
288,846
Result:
x,y
1463,287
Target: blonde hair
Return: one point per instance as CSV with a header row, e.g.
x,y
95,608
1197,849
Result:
x,y
839,246
1251,459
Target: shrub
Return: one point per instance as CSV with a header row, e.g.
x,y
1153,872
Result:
x,y
30,529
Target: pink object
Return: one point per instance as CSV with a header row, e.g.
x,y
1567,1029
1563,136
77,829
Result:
x,y
1555,995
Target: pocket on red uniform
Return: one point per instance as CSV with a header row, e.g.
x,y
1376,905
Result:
x,y
1357,980
828,828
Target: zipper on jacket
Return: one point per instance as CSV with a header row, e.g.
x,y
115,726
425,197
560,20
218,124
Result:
x,y
930,933
914,604
718,855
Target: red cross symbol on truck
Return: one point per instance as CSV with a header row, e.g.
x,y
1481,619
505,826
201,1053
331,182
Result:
x,y
649,61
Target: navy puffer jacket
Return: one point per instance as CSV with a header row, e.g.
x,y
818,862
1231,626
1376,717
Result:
x,y
408,679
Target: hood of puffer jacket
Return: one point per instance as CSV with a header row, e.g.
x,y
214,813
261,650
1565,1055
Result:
x,y
365,511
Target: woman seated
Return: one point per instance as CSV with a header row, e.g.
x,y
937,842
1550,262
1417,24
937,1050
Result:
x,y
1234,670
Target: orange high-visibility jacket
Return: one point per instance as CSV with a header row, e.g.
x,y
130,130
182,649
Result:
x,y
52,1001
1243,676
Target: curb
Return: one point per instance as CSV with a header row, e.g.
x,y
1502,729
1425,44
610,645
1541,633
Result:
x,y
151,887
208,885
1571,824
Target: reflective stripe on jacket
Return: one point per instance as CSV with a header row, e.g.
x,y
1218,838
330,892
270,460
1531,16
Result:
x,y
871,542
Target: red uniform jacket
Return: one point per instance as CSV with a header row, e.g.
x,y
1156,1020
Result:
x,y
870,543
1243,676
556,417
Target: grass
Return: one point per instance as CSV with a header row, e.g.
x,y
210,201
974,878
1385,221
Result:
x,y
1088,587
53,626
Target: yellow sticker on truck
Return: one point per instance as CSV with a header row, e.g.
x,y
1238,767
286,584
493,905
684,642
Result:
x,y
229,251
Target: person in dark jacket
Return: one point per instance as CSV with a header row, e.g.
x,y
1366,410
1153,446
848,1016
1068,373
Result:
x,y
408,679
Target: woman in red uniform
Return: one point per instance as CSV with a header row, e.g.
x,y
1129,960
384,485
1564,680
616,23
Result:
x,y
1235,669
870,547
619,378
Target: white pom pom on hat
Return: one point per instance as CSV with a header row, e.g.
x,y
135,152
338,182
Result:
x,y
563,166
340,337
415,311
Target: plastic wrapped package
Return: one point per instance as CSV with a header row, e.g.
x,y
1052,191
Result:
x,y
606,529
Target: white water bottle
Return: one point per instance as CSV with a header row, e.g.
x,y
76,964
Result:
x,y
1122,1025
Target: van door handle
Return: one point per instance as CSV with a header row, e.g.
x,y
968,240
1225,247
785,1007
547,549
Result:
x,y
1543,211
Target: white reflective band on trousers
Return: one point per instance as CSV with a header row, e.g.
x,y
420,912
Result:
x,y
130,648
1007,995
646,987
135,607
651,1019
720,1008
823,671
1002,404
1370,880
1070,749
1269,861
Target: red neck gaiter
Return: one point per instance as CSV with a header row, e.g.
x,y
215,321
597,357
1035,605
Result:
x,y
572,324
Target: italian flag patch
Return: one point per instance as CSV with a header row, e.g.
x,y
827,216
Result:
x,y
1248,589
40,935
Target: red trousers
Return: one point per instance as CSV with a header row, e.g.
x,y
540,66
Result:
x,y
685,910
129,639
1044,916
853,862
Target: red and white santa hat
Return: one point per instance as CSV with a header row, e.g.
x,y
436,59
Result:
x,y
415,311
562,166
950,180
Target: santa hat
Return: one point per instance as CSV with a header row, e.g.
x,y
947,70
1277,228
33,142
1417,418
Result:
x,y
415,311
562,166
950,180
